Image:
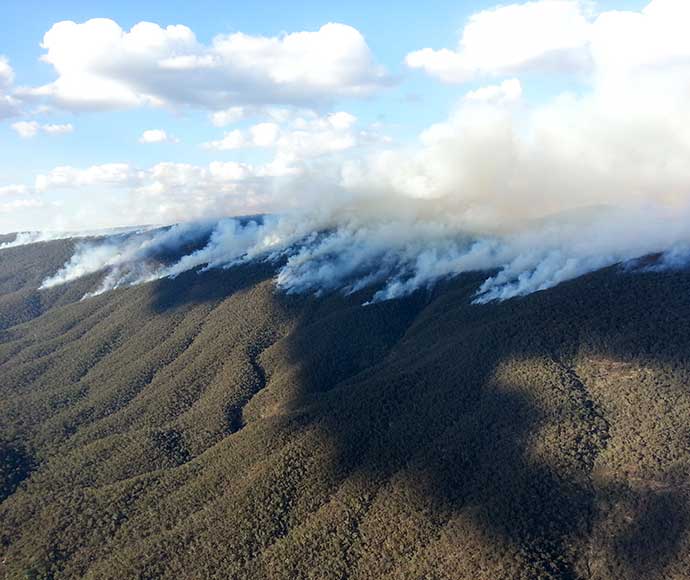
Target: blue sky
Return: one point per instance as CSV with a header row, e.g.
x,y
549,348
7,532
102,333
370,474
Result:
x,y
392,29
392,114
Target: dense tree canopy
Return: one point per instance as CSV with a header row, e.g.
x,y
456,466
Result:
x,y
209,427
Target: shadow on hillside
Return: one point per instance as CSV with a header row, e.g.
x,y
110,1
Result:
x,y
652,534
436,410
465,426
196,287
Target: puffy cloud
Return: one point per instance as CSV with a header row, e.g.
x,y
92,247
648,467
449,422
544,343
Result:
x,y
264,134
18,197
70,177
9,105
300,138
341,120
231,140
542,35
6,72
230,116
157,136
652,37
57,129
312,138
29,129
508,91
563,36
26,129
100,66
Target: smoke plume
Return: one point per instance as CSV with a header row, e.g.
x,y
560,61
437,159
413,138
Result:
x,y
531,194
24,238
127,258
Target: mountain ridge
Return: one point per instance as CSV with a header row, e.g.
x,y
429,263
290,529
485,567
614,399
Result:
x,y
208,426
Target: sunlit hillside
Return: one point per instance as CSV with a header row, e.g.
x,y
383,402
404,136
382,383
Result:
x,y
209,426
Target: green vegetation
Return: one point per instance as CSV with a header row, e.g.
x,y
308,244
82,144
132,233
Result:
x,y
23,268
207,427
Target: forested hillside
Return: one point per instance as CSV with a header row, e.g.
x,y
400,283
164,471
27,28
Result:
x,y
208,426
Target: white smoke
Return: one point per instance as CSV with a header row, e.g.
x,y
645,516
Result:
x,y
25,238
534,195
125,257
229,241
397,257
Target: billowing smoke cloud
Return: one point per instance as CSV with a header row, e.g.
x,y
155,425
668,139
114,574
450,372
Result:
x,y
127,258
532,194
394,258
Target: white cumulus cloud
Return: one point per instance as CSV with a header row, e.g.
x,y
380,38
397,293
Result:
x,y
71,177
230,116
9,105
562,36
157,136
542,35
508,91
234,114
6,72
29,129
100,66
300,137
57,129
26,129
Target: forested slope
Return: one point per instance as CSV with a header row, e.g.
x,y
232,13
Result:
x,y
23,268
209,427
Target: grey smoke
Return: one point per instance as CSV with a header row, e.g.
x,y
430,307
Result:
x,y
34,237
126,258
534,196
395,258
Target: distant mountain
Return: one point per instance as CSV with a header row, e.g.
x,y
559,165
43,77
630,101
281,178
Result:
x,y
208,426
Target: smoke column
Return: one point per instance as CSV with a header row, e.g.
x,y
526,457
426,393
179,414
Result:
x,y
532,194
